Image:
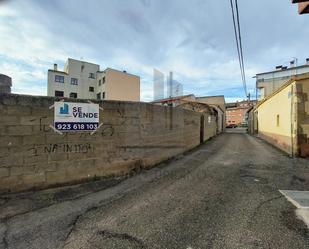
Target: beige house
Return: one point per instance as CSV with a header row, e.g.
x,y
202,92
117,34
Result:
x,y
84,80
213,100
175,101
217,103
282,118
208,121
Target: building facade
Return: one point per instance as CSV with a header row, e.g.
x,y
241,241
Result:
x,y
269,82
282,118
217,103
84,80
5,83
236,113
218,100
175,101
208,120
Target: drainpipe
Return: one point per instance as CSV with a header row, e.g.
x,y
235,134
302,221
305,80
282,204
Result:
x,y
292,120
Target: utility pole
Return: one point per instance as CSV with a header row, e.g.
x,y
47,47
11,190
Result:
x,y
171,84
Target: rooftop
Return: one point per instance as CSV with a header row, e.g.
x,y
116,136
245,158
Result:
x,y
172,98
285,69
214,96
83,61
288,82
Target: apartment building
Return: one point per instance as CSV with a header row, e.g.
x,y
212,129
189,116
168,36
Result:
x,y
269,82
85,80
236,113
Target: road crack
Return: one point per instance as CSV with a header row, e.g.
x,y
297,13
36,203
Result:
x,y
256,210
75,221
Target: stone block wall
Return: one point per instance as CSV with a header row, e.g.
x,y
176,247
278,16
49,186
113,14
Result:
x,y
133,136
302,98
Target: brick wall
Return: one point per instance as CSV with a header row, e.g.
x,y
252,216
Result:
x,y
236,115
133,135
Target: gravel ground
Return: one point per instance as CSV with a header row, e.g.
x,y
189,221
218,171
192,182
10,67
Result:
x,y
223,194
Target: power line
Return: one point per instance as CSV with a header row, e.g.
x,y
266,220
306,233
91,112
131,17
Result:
x,y
238,39
241,50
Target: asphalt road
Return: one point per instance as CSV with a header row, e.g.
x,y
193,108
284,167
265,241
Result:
x,y
223,194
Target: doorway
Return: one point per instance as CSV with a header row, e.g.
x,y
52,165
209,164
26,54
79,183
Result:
x,y
202,123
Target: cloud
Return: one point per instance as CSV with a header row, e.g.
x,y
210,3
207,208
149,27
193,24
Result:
x,y
25,81
195,40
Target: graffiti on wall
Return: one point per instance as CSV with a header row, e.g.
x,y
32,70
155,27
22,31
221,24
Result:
x,y
61,148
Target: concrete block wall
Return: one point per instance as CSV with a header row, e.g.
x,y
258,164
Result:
x,y
210,126
133,135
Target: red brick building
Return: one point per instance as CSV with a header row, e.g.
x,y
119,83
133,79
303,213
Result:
x,y
236,113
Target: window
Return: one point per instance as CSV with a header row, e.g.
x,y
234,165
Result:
x,y
59,93
99,96
278,120
74,81
91,75
59,78
91,89
99,82
73,95
103,95
103,79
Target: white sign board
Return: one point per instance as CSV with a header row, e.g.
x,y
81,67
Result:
x,y
76,116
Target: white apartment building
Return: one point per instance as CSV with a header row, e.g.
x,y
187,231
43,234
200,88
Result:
x,y
84,80
269,82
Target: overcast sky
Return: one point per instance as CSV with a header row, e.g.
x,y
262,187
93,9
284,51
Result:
x,y
194,39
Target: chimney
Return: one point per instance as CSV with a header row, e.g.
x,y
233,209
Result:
x,y
307,61
278,68
292,63
55,67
